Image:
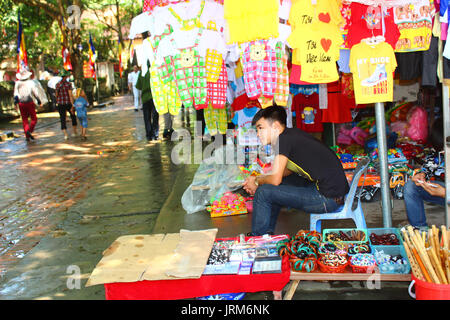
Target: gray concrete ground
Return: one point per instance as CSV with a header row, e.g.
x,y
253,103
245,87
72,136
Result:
x,y
63,202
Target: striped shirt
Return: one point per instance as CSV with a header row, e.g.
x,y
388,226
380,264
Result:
x,y
25,90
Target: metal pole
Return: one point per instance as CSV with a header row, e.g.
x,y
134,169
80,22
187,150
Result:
x,y
446,115
333,127
384,171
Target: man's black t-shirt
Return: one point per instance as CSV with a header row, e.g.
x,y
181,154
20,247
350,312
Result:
x,y
313,160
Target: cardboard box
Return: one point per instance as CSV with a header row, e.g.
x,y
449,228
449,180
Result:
x,y
154,257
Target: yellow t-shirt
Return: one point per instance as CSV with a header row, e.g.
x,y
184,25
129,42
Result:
x,y
304,13
319,52
372,67
251,20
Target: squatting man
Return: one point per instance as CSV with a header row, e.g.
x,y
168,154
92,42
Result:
x,y
306,174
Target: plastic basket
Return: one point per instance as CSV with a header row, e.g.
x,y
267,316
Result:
x,y
362,269
329,269
381,231
352,255
393,269
326,231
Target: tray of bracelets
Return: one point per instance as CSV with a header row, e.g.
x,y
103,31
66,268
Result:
x,y
345,235
385,237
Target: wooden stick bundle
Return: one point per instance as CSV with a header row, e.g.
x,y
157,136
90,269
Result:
x,y
445,247
428,256
419,270
418,244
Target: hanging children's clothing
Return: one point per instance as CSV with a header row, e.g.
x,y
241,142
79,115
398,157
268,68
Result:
x,y
338,110
251,20
415,23
217,91
344,59
319,52
346,13
372,67
306,12
139,23
180,60
303,89
284,28
370,21
282,88
307,112
165,95
216,120
213,45
189,15
260,68
149,5
246,133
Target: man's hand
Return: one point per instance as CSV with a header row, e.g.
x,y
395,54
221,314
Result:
x,y
418,178
250,185
436,191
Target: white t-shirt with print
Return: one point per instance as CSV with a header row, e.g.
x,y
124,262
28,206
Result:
x,y
212,11
180,39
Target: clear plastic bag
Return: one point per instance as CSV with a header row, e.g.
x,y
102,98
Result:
x,y
213,178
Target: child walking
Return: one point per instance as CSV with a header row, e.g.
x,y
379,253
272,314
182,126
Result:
x,y
81,103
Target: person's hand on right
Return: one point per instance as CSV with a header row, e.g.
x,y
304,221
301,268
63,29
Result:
x,y
418,177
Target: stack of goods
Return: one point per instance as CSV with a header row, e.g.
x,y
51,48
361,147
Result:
x,y
244,256
354,249
428,255
345,235
229,204
389,239
333,257
346,251
391,263
363,263
302,250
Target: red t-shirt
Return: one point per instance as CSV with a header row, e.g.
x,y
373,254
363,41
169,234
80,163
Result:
x,y
339,105
367,21
307,112
295,74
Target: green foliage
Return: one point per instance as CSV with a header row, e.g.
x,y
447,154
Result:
x,y
43,35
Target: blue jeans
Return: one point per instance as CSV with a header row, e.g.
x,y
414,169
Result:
x,y
414,203
269,200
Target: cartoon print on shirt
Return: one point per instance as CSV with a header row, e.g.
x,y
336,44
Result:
x,y
257,52
187,59
308,115
402,12
373,17
415,24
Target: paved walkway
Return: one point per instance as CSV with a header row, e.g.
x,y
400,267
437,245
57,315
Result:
x,y
63,202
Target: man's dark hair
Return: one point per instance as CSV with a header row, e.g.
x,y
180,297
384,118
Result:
x,y
271,114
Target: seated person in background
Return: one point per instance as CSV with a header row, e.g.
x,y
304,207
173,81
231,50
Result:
x,y
295,152
419,189
80,104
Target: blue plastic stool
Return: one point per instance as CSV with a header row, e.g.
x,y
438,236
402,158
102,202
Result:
x,y
345,211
